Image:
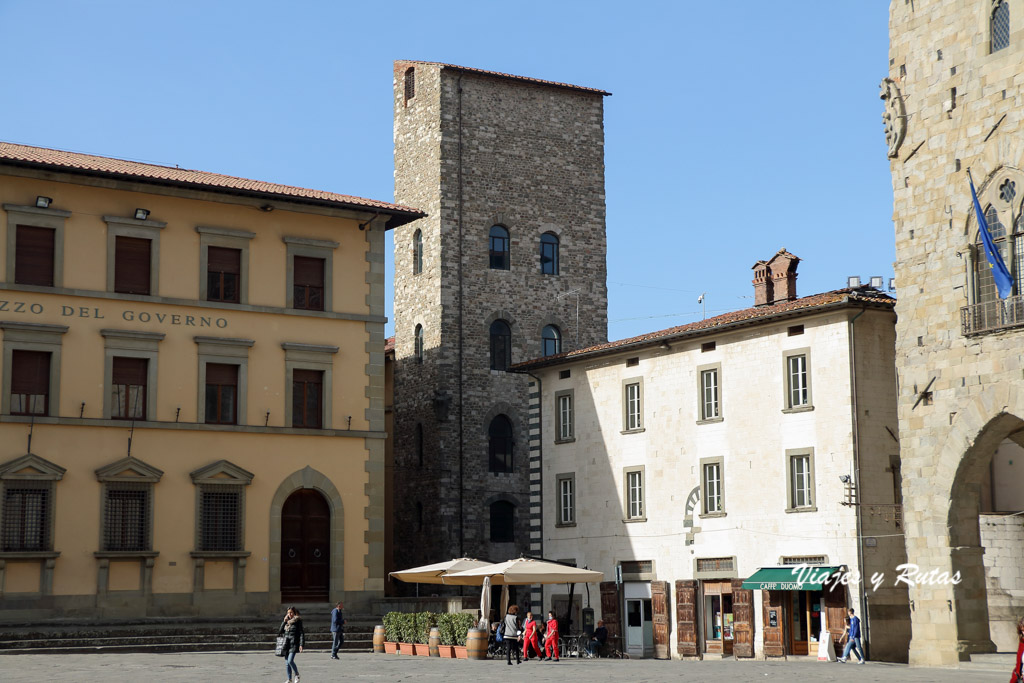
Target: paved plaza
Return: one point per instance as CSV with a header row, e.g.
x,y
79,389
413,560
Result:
x,y
315,667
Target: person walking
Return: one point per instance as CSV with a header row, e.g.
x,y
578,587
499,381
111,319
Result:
x,y
1018,668
510,634
295,640
337,629
852,634
531,638
551,637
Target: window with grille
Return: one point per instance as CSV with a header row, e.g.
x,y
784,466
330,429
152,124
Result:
x,y
34,255
499,248
221,394
713,487
220,518
567,500
565,417
501,345
551,341
549,253
796,371
1000,26
223,274
503,522
800,481
308,283
26,520
126,517
634,494
500,444
634,406
410,83
132,265
716,564
128,388
709,394
307,398
804,559
30,382
417,252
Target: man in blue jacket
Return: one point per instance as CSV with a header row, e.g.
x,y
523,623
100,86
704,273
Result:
x,y
337,629
853,640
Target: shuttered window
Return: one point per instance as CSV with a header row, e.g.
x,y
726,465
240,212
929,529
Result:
x,y
308,278
26,516
223,274
132,265
128,388
30,382
33,256
307,398
221,394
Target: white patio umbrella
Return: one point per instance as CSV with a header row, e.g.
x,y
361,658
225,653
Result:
x,y
434,573
522,572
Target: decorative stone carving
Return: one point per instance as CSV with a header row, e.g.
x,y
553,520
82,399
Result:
x,y
894,117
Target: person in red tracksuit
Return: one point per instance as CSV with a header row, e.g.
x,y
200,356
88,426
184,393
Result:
x,y
551,638
530,637
1018,668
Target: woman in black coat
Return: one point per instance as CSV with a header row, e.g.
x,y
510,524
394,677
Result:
x,y
295,640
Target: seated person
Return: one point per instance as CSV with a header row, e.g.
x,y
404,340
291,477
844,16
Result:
x,y
598,640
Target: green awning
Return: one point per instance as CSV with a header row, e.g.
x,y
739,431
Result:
x,y
789,578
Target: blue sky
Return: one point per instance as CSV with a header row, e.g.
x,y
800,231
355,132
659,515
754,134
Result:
x,y
734,129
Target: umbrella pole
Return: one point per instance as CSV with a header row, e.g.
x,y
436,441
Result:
x,y
568,609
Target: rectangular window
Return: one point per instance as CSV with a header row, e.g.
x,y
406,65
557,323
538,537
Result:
x,y
307,398
713,487
635,494
126,517
709,394
634,407
30,382
308,278
220,518
26,513
223,274
796,371
132,265
567,499
221,394
128,388
34,256
800,481
565,417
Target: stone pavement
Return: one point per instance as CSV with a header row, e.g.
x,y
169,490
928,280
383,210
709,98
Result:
x,y
315,667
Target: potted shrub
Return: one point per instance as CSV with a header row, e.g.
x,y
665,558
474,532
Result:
x,y
407,634
424,621
446,626
391,632
462,622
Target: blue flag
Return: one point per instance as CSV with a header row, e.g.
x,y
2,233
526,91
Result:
x,y
1000,273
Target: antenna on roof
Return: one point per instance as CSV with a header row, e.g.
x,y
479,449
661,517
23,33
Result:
x,y
700,300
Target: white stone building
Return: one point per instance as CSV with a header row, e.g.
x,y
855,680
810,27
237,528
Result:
x,y
684,461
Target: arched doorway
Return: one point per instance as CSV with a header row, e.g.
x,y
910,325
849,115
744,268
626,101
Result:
x,y
305,547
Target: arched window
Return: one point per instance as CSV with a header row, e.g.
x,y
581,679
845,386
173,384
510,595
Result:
x,y
410,83
499,444
499,248
417,252
503,522
418,344
501,345
549,253
1001,198
999,26
419,443
551,341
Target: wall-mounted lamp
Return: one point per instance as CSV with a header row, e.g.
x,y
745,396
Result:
x,y
664,346
141,214
845,478
43,202
853,281
876,281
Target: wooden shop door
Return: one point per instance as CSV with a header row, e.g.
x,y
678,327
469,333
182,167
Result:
x,y
659,602
742,620
774,622
686,618
305,547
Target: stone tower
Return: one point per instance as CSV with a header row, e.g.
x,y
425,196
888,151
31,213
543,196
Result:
x,y
953,101
509,265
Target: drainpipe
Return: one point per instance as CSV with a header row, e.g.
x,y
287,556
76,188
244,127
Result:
x,y
856,463
462,411
540,459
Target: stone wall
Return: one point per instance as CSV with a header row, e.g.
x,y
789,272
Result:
x,y
1003,537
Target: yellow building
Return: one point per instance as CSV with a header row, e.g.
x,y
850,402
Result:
x,y
192,416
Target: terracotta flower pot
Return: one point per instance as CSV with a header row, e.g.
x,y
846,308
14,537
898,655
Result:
x,y
390,648
406,649
446,651
422,650
460,651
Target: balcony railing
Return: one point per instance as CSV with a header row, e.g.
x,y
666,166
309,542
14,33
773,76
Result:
x,y
992,315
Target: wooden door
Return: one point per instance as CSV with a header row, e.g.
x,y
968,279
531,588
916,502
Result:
x,y
659,603
686,618
742,620
610,608
305,547
835,612
774,622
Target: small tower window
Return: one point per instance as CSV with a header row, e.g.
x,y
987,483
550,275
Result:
x,y
1000,26
499,248
410,83
417,252
500,444
549,253
551,341
418,344
501,345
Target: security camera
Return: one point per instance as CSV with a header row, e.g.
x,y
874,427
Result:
x,y
845,478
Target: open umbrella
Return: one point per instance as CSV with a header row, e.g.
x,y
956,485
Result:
x,y
522,572
434,573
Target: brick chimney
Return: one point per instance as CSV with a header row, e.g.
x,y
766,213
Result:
x,y
775,279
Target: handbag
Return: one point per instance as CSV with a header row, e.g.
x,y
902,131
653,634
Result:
x,y
281,646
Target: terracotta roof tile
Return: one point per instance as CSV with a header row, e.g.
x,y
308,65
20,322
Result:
x,y
389,345
107,166
848,296
499,74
